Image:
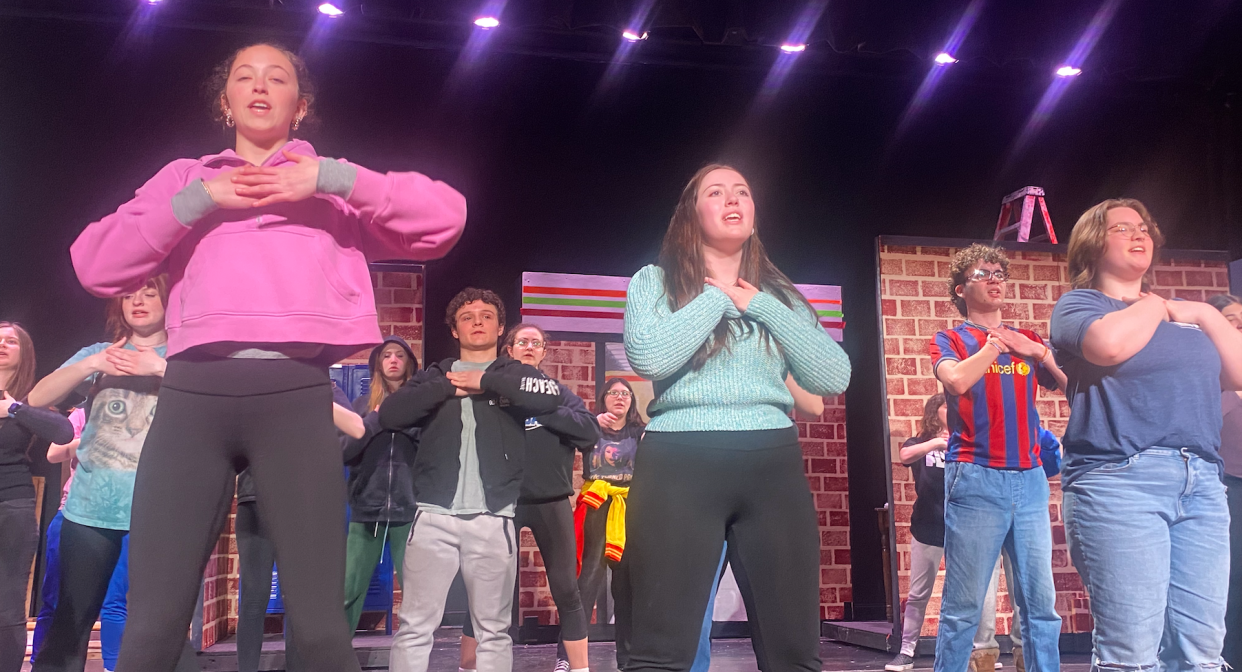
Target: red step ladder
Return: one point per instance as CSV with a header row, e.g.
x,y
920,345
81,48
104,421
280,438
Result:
x,y
1028,195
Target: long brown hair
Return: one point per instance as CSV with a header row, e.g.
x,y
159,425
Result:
x,y
379,384
931,417
116,326
632,417
1086,243
23,379
681,259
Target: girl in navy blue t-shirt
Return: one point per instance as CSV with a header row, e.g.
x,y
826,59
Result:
x,y
1145,511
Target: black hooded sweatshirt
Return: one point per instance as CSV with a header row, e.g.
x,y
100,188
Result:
x,y
512,392
551,439
381,463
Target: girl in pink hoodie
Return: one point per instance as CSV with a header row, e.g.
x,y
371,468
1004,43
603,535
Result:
x,y
266,248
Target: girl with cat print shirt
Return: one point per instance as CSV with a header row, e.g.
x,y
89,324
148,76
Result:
x,y
121,381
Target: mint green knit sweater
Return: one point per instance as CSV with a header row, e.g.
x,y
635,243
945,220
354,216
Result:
x,y
741,388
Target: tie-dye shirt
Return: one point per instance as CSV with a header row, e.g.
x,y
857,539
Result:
x,y
119,413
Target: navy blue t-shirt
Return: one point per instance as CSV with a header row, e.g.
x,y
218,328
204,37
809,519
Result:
x,y
1167,394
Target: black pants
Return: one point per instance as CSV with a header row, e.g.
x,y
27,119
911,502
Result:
x,y
1233,613
214,417
88,556
19,540
594,575
693,492
256,556
552,524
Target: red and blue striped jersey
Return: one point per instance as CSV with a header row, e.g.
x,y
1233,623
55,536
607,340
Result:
x,y
995,424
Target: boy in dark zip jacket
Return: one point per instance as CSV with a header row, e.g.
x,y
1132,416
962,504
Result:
x,y
467,478
544,506
381,478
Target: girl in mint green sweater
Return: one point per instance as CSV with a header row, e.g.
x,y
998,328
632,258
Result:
x,y
717,328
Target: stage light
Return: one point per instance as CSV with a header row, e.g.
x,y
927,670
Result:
x,y
1068,71
153,2
487,22
330,10
633,35
793,48
945,58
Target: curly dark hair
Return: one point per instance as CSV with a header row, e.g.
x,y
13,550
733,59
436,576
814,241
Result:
x,y
217,83
965,260
473,294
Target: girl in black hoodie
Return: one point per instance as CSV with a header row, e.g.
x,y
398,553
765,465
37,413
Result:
x,y
381,484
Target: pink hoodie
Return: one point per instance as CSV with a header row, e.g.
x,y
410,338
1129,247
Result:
x,y
286,273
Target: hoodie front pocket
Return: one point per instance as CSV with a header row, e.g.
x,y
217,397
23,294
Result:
x,y
273,272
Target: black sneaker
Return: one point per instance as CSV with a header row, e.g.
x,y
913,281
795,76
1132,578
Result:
x,y
561,666
902,663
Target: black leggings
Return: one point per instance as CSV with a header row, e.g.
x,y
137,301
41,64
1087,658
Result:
x,y
19,541
216,416
88,556
255,558
594,574
692,493
552,524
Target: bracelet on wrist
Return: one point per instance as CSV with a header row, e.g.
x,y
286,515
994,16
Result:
x,y
208,190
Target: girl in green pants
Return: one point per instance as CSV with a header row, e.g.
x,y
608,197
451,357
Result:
x,y
381,488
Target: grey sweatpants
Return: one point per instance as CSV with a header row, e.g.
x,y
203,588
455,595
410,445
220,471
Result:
x,y
482,547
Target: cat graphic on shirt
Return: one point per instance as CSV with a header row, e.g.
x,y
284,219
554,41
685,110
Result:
x,y
117,428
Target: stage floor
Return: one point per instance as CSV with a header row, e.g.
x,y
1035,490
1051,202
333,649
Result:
x,y
728,655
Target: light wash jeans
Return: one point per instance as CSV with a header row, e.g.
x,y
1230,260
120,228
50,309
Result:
x,y
986,510
924,566
1150,538
703,658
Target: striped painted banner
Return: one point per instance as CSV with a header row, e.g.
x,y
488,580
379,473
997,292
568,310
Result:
x,y
595,304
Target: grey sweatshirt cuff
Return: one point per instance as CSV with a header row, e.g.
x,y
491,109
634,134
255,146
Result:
x,y
336,178
192,203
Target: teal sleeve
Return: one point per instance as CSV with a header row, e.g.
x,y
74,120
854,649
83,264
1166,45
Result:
x,y
659,341
817,363
85,352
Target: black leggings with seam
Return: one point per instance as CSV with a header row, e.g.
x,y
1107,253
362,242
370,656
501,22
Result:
x,y
692,493
552,524
214,417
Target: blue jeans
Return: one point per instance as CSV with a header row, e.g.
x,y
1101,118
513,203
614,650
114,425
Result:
x,y
703,657
111,616
1150,537
986,510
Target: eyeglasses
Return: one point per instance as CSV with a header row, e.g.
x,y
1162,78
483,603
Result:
x,y
617,393
1129,229
527,343
982,275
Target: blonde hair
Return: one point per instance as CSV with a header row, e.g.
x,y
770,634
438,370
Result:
x,y
1086,242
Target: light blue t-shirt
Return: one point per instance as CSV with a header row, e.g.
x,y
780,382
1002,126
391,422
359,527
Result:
x,y
120,413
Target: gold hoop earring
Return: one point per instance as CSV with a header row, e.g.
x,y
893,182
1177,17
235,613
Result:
x,y
228,118
297,122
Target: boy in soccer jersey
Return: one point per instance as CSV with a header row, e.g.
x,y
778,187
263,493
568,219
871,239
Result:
x,y
996,489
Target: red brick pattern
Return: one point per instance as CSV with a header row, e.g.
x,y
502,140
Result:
x,y
915,304
824,456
